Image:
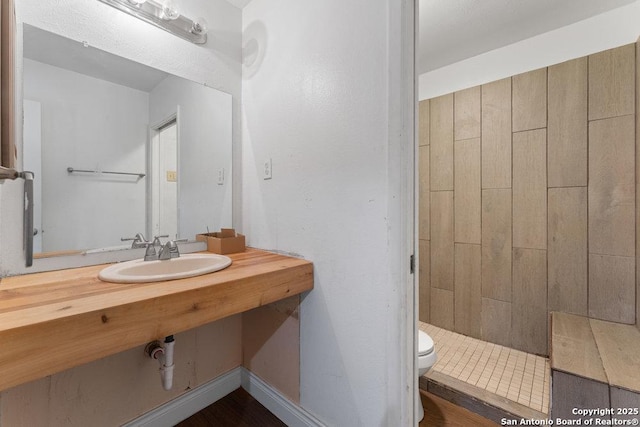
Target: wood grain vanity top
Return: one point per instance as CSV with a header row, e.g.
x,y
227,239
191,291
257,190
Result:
x,y
55,320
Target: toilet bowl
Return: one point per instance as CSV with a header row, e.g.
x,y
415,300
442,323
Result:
x,y
427,357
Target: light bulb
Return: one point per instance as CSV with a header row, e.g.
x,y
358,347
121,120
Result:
x,y
200,26
137,3
170,10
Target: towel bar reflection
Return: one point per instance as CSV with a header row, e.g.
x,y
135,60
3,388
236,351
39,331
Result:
x,y
72,170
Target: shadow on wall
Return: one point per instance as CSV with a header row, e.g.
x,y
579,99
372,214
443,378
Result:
x,y
254,47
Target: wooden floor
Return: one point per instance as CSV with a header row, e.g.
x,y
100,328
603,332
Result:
x,y
236,409
442,413
240,409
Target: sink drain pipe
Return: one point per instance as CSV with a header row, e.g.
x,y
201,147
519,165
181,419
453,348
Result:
x,y
164,356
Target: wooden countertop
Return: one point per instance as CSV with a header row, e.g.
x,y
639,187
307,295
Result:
x,y
56,320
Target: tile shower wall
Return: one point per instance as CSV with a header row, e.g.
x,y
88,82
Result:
x,y
527,201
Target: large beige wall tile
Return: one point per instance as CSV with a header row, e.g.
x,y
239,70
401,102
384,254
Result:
x,y
568,285
496,321
467,191
442,308
496,244
271,345
442,240
466,107
611,82
496,134
611,186
530,100
530,189
612,288
467,293
529,306
424,193
423,122
424,292
441,142
567,128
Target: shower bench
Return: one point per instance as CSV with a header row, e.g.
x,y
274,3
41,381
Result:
x,y
594,365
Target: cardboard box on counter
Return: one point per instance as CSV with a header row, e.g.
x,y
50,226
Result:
x,y
226,241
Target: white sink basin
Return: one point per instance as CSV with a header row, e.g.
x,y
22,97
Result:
x,y
140,271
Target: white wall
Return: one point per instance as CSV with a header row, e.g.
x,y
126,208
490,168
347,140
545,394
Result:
x,y
204,132
218,64
605,31
320,82
88,123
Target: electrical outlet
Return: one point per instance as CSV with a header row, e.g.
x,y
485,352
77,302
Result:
x,y
172,176
220,176
268,169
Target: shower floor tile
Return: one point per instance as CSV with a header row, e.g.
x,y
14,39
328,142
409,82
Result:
x,y
515,375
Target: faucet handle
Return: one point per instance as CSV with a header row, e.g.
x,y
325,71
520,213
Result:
x,y
169,250
139,241
156,239
150,254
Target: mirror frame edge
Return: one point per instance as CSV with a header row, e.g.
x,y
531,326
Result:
x,y
7,86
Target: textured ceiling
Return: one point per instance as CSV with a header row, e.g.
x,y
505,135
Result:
x,y
453,30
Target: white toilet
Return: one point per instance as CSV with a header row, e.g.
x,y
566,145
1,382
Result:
x,y
427,357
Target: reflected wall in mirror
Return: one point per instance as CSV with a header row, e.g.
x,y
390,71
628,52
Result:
x,y
95,112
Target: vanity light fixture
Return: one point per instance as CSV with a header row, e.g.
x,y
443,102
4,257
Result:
x,y
163,14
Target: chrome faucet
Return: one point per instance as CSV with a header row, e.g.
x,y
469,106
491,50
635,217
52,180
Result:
x,y
138,241
167,251
151,254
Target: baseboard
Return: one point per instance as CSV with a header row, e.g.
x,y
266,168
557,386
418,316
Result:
x,y
290,413
189,403
200,397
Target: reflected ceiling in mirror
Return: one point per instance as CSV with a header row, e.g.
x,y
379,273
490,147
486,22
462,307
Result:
x,y
96,112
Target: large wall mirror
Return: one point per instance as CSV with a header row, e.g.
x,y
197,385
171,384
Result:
x,y
119,148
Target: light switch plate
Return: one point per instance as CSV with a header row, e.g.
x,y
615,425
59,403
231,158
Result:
x,y
268,169
221,176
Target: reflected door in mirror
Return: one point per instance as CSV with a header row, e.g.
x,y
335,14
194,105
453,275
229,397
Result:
x,y
164,179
